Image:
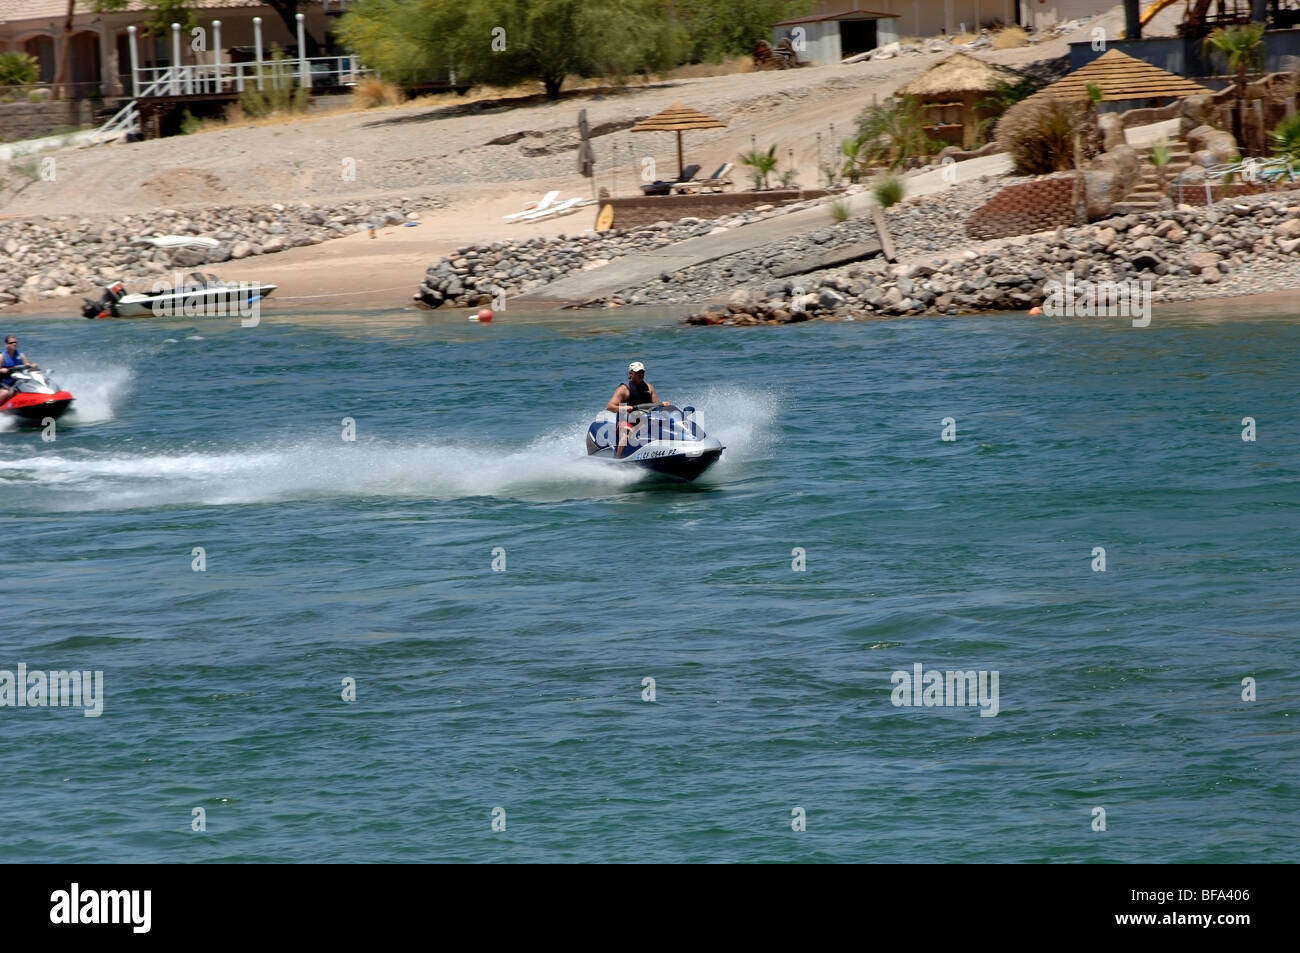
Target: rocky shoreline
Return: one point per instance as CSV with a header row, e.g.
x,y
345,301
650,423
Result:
x,y
66,255
1248,246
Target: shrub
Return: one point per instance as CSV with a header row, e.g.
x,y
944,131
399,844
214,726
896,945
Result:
x,y
19,69
839,211
1286,139
1039,134
280,91
1010,38
373,91
888,191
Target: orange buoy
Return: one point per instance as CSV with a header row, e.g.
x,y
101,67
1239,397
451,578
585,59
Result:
x,y
1035,311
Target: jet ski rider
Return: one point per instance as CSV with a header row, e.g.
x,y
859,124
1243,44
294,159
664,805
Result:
x,y
627,396
11,358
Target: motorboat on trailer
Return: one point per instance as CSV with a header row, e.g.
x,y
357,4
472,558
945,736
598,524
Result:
x,y
200,296
663,441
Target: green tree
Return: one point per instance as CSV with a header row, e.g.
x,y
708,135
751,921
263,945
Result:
x,y
720,28
1242,49
506,42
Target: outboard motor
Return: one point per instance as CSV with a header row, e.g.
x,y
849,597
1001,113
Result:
x,y
106,305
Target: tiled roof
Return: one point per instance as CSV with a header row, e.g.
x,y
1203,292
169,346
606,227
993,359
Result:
x,y
17,10
1121,77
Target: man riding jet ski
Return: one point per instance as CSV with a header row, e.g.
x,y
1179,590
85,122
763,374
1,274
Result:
x,y
641,430
24,391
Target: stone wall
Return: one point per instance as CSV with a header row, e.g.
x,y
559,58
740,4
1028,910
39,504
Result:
x,y
636,211
1194,193
1144,117
34,120
1036,206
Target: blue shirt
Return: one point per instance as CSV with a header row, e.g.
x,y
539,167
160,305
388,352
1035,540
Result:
x,y
6,362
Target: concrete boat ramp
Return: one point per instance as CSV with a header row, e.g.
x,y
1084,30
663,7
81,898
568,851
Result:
x,y
632,270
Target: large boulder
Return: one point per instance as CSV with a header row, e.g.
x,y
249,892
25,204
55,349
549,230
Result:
x,y
1124,161
1111,127
1210,146
1195,111
1109,178
1102,189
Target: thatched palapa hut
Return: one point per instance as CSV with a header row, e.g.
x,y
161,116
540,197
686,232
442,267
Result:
x,y
1124,80
948,94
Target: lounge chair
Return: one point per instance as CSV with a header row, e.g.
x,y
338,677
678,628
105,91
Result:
x,y
553,211
714,183
662,187
547,201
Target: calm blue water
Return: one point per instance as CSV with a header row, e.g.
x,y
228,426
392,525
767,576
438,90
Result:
x,y
522,689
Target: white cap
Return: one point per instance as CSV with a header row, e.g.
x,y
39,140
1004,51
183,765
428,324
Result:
x,y
635,366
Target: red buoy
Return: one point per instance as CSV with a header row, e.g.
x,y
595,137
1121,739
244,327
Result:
x,y
485,315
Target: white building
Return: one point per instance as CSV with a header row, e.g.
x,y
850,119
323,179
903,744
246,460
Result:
x,y
834,29
99,59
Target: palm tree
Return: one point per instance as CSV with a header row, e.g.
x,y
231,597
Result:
x,y
1242,49
851,149
1160,160
762,163
892,133
1286,139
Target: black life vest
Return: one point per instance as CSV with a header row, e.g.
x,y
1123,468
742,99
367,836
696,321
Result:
x,y
638,393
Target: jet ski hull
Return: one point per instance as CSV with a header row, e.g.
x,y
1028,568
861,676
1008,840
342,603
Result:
x,y
662,443
680,466
34,408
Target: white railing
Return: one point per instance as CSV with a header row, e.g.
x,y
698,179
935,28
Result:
x,y
125,122
209,78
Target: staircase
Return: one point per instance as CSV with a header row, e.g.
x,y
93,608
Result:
x,y
1147,193
126,121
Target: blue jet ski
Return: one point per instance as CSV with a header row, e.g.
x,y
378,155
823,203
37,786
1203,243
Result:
x,y
663,441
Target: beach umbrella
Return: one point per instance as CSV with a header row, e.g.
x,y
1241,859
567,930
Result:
x,y
586,157
678,118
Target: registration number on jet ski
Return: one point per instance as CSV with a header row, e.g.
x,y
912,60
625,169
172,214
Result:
x,y
658,453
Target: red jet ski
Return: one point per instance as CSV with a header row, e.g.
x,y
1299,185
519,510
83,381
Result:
x,y
35,398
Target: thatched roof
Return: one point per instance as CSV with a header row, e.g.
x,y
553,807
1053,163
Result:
x,y
1121,77
677,118
959,73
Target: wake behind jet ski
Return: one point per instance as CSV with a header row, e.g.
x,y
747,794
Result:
x,y
661,440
